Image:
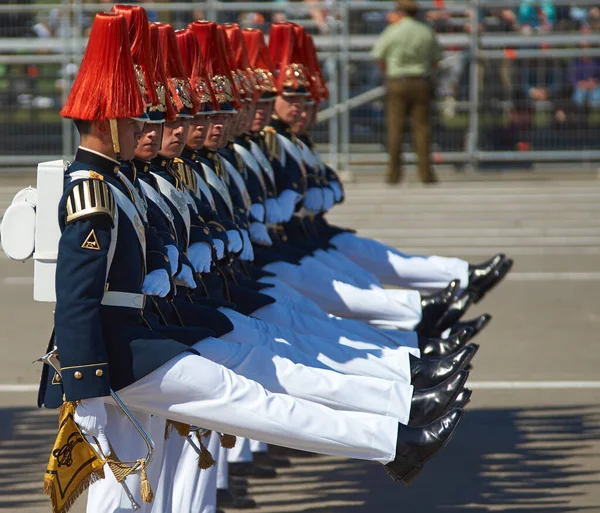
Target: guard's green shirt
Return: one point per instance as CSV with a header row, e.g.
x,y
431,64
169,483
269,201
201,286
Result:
x,y
408,48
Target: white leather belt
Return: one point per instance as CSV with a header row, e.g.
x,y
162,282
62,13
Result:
x,y
124,299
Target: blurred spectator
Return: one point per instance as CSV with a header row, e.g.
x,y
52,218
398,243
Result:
x,y
584,76
541,79
53,25
593,19
152,14
537,14
16,24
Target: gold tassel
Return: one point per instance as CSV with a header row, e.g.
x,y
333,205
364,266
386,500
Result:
x,y
205,458
63,409
181,428
147,494
50,491
227,441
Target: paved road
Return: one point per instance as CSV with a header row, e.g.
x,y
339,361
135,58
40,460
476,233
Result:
x,y
531,438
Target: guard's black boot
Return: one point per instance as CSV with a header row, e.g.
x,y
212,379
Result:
x,y
431,403
429,372
463,398
435,305
264,458
485,276
227,499
248,469
445,346
417,444
454,313
476,324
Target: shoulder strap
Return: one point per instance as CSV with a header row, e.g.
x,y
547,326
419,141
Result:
x,y
217,184
139,201
154,196
263,161
252,164
178,199
204,189
308,156
239,182
294,152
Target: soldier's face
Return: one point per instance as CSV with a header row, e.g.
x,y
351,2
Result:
x,y
246,120
196,134
229,127
215,131
289,108
174,137
130,132
150,141
305,120
264,109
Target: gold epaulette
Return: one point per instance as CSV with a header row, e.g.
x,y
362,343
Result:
x,y
88,198
218,167
272,143
239,162
185,173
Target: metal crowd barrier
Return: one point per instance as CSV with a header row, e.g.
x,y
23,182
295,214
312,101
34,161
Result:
x,y
483,111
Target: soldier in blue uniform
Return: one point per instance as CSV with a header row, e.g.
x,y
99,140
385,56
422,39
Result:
x,y
104,337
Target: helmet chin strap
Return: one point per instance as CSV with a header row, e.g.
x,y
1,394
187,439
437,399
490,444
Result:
x,y
114,135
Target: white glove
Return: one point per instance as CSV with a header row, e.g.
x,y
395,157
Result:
x,y
200,254
260,234
337,190
287,202
235,241
313,200
173,254
273,214
328,199
248,251
90,416
258,211
157,283
185,278
220,247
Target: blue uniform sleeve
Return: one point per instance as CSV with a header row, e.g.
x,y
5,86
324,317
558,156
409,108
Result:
x,y
80,284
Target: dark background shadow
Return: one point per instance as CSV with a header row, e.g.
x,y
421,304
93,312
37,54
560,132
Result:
x,y
500,460
518,460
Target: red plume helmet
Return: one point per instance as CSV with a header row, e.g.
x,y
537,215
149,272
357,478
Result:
x,y
183,96
191,57
242,62
163,110
238,88
289,68
260,62
215,63
105,87
139,41
318,86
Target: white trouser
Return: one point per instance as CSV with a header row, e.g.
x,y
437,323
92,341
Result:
x,y
256,446
191,389
425,273
222,468
323,386
183,486
107,495
391,364
289,297
307,317
340,263
401,309
240,452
